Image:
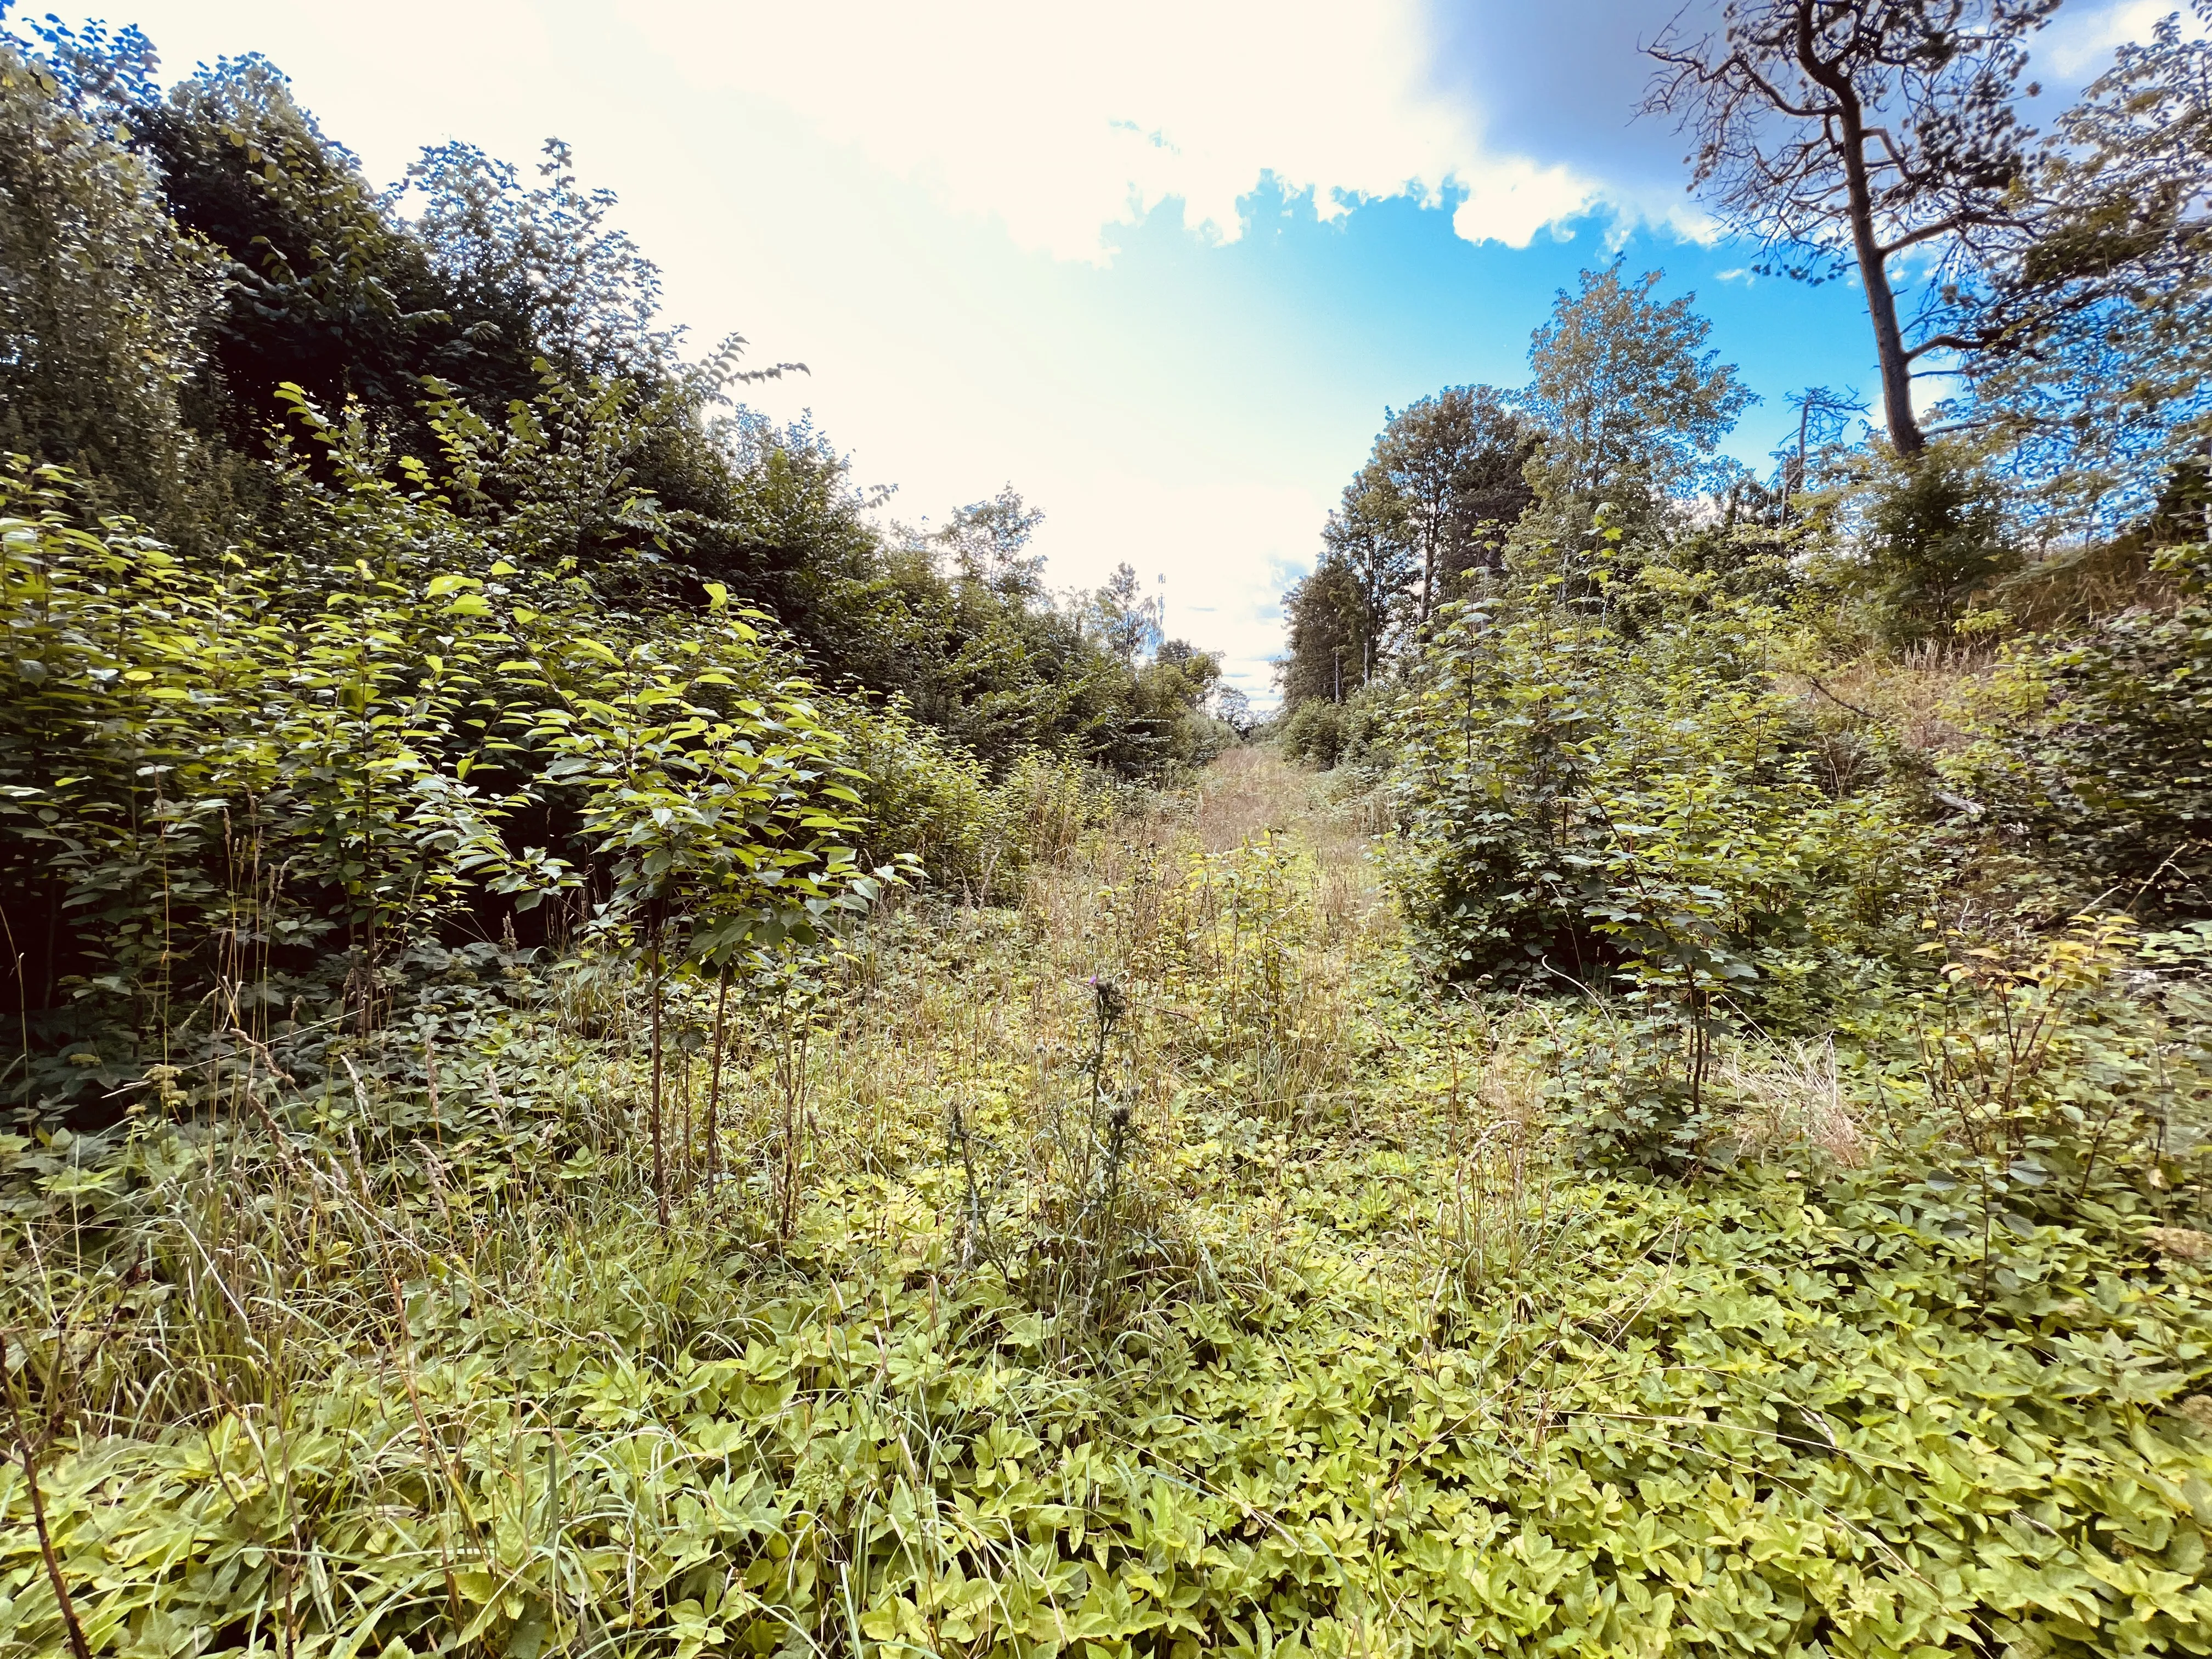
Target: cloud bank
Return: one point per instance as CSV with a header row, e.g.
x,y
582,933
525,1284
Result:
x,y
1064,122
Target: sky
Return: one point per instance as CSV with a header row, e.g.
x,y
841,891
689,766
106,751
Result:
x,y
1163,266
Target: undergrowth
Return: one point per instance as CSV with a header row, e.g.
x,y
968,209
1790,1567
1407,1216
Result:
x,y
1154,1265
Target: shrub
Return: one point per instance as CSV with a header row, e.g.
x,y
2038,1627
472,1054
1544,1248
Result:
x,y
1583,808
922,798
2099,747
2071,1070
245,793
1045,806
1934,537
1326,735
1314,732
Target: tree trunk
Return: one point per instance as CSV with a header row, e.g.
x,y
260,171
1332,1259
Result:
x,y
1905,435
715,1086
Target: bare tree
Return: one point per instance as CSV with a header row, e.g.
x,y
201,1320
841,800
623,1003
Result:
x,y
1823,412
2091,326
1852,130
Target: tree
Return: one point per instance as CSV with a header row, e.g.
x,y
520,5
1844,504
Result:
x,y
1856,130
1128,621
2088,326
1233,708
543,265
185,274
1823,412
1935,536
105,302
1180,678
324,291
1370,537
988,541
1322,612
1455,461
1631,405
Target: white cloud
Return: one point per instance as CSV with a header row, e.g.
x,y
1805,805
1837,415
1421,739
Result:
x,y
2080,44
1062,123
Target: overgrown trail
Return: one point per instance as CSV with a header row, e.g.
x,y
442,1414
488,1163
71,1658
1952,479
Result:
x,y
1171,1270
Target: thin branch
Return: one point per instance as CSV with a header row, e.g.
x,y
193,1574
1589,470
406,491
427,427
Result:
x,y
1814,681
1940,342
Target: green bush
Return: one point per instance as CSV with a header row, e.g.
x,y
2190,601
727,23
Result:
x,y
242,793
2097,748
1048,805
1933,535
1326,735
2069,1072
923,798
1314,732
1583,808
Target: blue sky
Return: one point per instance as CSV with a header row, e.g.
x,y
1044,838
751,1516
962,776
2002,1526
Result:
x,y
1162,266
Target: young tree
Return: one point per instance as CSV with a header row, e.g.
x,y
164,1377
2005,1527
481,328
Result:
x,y
1933,535
1631,405
1854,131
988,541
1128,619
1455,461
105,304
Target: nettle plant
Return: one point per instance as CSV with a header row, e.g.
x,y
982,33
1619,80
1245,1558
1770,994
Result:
x,y
1640,816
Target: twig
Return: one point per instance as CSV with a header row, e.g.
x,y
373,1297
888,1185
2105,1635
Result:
x,y
1814,681
78,1647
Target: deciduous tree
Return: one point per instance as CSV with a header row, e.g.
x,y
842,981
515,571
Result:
x,y
1454,461
1631,405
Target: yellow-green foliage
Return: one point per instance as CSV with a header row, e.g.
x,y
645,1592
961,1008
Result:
x,y
1749,1420
1359,1365
924,798
275,776
927,799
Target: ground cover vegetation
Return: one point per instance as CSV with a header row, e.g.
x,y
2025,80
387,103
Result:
x,y
618,1055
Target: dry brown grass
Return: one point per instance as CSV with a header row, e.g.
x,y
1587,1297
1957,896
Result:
x,y
1923,695
1927,695
1792,1100
2074,585
1254,791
